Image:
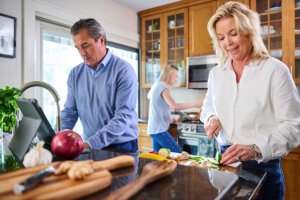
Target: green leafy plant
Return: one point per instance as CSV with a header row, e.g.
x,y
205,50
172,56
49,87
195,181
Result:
x,y
8,107
10,163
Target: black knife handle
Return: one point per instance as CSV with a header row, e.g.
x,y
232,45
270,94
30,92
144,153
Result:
x,y
33,181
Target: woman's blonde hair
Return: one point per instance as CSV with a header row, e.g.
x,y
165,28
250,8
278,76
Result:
x,y
246,21
166,73
165,76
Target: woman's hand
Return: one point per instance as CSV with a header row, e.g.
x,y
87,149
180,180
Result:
x,y
213,126
237,152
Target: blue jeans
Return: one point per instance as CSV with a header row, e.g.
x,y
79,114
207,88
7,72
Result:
x,y
165,140
131,145
273,185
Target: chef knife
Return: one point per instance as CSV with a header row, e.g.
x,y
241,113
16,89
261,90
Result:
x,y
32,181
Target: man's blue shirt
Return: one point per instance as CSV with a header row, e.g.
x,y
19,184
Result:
x,y
104,100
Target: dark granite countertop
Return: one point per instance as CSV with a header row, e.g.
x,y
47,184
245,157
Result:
x,y
184,183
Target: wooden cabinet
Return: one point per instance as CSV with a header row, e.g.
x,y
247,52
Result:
x,y
199,39
176,41
280,22
291,171
182,32
293,40
164,41
246,2
152,46
144,140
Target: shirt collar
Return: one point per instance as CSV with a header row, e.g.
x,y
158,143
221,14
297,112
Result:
x,y
102,64
253,63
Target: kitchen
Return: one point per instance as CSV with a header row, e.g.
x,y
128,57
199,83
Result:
x,y
126,32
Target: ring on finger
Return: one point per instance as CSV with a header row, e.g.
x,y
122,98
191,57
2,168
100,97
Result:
x,y
237,158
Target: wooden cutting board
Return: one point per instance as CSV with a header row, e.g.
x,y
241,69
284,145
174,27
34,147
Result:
x,y
60,186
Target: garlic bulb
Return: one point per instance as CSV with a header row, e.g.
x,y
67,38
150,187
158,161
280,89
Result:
x,y
37,156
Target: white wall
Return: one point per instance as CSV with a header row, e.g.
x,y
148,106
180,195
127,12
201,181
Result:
x,y
10,68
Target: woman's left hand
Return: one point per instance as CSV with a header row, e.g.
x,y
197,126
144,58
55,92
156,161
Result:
x,y
237,152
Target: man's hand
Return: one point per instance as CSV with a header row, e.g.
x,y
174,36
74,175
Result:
x,y
213,126
86,145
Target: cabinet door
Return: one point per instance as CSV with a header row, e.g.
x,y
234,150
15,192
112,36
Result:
x,y
176,41
199,39
294,35
275,16
271,15
151,49
246,2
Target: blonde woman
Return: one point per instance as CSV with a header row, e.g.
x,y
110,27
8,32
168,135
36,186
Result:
x,y
161,104
252,105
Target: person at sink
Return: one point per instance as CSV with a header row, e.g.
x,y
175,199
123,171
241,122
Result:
x,y
161,104
102,92
252,104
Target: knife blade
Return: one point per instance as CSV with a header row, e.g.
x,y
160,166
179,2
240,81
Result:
x,y
32,181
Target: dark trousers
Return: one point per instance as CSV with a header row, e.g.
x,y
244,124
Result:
x,y
130,146
273,185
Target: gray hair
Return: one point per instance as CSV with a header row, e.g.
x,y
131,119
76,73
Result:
x,y
94,28
246,21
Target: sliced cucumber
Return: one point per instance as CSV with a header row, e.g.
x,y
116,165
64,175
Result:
x,y
218,156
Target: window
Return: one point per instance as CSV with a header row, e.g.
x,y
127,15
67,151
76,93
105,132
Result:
x,y
58,58
131,55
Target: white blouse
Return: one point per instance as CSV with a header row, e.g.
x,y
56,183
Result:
x,y
263,109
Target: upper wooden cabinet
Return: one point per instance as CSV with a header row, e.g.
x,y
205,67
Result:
x,y
199,39
280,22
152,45
293,38
176,41
182,32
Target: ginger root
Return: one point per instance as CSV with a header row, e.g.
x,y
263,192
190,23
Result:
x,y
76,170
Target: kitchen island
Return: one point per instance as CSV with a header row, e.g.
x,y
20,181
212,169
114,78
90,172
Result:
x,y
184,183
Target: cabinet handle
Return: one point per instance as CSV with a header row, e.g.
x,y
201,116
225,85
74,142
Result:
x,y
147,148
144,131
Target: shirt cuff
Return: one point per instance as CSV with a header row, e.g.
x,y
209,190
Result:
x,y
265,151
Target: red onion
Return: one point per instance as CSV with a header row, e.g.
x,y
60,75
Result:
x,y
67,145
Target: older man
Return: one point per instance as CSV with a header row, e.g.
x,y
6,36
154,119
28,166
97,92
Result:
x,y
102,92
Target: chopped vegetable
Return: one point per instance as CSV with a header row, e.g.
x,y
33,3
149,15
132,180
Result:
x,y
218,156
208,162
152,156
164,152
154,152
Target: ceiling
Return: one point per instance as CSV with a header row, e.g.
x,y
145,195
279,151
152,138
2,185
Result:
x,y
139,5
